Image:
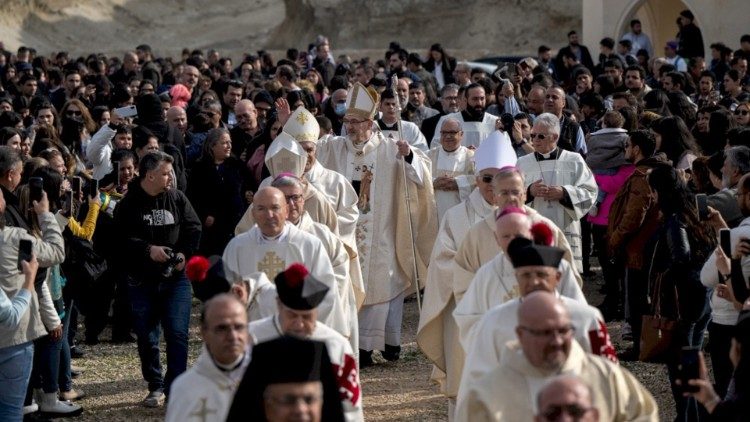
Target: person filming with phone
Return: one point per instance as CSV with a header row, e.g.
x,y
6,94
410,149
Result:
x,y
36,324
158,230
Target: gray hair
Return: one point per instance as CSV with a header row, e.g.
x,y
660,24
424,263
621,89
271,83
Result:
x,y
451,119
212,138
548,121
285,180
739,158
9,158
448,87
152,161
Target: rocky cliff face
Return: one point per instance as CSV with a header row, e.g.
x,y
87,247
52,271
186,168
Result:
x,y
235,26
502,26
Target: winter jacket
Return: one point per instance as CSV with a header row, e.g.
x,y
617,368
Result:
x,y
610,185
142,220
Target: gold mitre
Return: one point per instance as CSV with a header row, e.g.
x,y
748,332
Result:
x,y
302,126
362,102
285,155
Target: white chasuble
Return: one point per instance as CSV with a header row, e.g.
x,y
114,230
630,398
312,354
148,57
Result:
x,y
437,334
204,392
251,252
570,172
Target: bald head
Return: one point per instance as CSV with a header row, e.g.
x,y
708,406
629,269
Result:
x,y
511,226
270,210
544,330
247,115
224,328
563,394
177,118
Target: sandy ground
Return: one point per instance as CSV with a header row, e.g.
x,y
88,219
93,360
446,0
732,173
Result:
x,y
393,391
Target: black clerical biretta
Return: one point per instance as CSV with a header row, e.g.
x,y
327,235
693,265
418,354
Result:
x,y
207,276
298,289
286,360
524,253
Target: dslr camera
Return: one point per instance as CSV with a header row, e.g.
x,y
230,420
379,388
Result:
x,y
169,265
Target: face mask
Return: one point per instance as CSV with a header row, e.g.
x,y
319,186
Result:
x,y
340,109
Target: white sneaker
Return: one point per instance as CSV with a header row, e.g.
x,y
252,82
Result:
x,y
33,407
51,406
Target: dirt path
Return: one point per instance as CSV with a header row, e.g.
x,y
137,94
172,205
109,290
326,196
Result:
x,y
393,391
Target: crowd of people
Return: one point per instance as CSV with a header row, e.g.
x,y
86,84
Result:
x,y
303,200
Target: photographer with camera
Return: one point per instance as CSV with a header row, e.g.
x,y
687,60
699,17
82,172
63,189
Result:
x,y
158,229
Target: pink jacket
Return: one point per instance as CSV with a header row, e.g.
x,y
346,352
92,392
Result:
x,y
610,184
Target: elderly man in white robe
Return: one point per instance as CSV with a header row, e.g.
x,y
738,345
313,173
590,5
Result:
x,y
395,233
205,391
437,334
300,293
274,243
546,348
452,167
476,123
559,184
536,269
495,282
351,289
480,246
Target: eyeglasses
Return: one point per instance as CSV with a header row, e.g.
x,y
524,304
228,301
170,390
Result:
x,y
487,178
553,413
293,198
449,132
539,136
562,332
741,112
73,113
451,98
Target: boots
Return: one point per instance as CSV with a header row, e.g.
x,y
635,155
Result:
x,y
51,406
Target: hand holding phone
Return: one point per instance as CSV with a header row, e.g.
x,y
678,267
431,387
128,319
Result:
x,y
36,187
24,252
701,203
93,188
689,368
127,111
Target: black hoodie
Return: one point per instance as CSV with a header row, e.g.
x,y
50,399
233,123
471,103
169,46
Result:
x,y
167,219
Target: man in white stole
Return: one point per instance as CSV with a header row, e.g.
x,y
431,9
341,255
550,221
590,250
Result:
x,y
273,244
390,120
299,296
560,186
205,391
452,168
376,166
437,334
480,246
349,288
495,282
476,123
546,348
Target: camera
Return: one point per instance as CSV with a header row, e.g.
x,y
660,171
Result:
x,y
169,265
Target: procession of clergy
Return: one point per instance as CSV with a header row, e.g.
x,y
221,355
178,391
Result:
x,y
344,229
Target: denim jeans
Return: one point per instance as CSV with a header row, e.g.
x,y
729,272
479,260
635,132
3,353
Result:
x,y
15,370
65,380
47,352
157,305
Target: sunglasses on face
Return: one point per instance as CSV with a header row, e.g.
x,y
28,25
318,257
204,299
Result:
x,y
741,112
73,113
539,136
487,178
